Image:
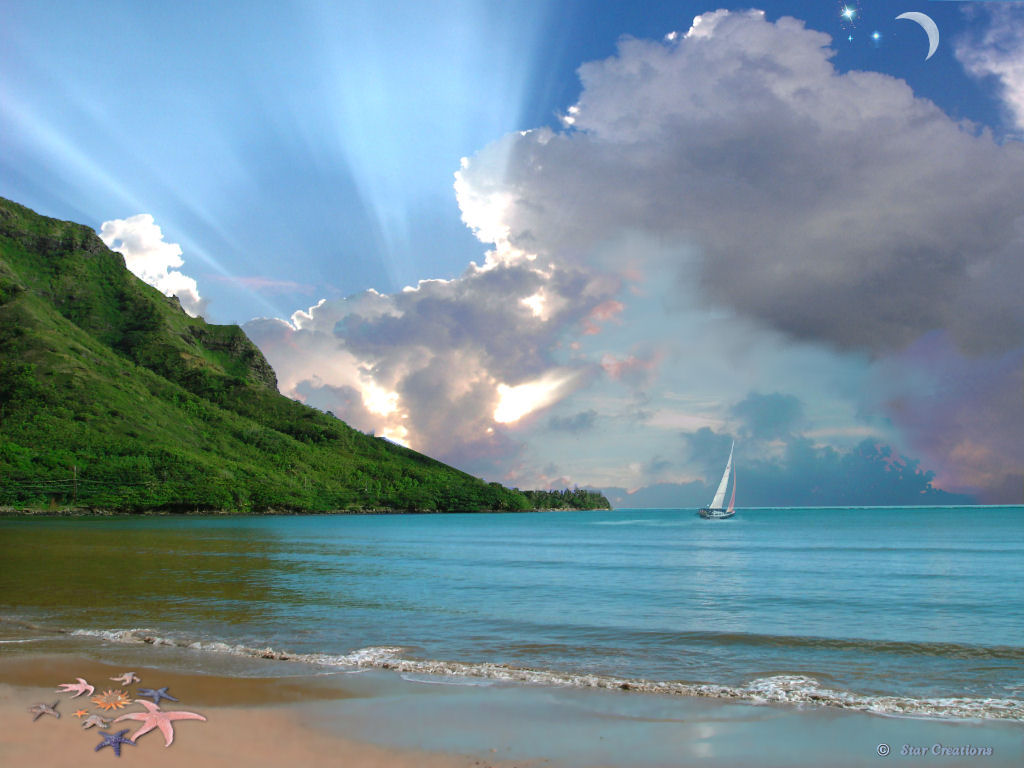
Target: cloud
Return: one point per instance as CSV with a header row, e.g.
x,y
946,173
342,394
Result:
x,y
451,367
767,417
807,474
836,208
141,242
804,475
997,51
964,416
722,208
575,424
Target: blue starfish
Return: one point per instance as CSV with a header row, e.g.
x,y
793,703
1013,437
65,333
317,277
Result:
x,y
114,740
156,694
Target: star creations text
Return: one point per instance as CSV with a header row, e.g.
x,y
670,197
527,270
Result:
x,y
941,750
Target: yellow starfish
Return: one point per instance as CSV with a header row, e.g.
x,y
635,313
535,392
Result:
x,y
111,700
81,712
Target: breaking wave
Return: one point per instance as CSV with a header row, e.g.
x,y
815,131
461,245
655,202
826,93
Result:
x,y
776,689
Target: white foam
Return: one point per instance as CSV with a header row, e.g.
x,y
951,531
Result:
x,y
779,689
429,680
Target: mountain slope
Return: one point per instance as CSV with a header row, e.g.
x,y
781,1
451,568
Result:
x,y
112,397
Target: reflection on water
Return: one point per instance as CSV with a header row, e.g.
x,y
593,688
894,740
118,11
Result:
x,y
875,600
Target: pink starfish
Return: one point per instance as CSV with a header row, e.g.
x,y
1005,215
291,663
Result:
x,y
81,687
155,718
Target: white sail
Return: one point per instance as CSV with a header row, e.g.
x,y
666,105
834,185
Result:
x,y
719,499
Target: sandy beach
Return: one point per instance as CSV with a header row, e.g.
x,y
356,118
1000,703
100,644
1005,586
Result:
x,y
255,721
378,720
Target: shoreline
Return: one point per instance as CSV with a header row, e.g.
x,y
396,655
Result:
x,y
381,719
91,512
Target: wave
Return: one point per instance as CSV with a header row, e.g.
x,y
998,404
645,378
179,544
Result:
x,y
776,689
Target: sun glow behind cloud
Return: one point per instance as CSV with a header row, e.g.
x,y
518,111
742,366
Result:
x,y
523,399
646,245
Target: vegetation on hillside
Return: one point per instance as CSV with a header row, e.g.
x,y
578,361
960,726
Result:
x,y
112,397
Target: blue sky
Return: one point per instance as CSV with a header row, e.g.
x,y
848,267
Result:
x,y
628,263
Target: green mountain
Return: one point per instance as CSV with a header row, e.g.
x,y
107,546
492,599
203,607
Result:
x,y
113,398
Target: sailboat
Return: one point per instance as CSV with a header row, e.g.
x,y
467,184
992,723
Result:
x,y
715,510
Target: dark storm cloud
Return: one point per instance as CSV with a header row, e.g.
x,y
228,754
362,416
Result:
x,y
833,207
806,474
767,417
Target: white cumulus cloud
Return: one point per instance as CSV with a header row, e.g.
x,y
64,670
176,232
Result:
x,y
998,51
724,208
151,259
449,367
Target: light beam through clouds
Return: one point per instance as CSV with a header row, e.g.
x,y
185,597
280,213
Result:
x,y
722,209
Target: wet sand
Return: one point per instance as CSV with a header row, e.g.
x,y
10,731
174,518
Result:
x,y
380,720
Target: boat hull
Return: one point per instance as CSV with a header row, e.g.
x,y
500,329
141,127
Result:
x,y
716,514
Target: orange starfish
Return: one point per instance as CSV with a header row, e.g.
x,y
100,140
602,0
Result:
x,y
81,712
111,700
157,718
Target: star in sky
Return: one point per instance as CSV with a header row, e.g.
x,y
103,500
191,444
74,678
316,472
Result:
x,y
114,740
848,13
155,718
156,694
79,688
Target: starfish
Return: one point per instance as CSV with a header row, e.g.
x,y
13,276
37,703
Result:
x,y
127,678
92,720
114,740
111,700
156,694
156,718
44,709
81,712
80,687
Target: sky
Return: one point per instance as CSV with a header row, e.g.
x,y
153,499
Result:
x,y
574,243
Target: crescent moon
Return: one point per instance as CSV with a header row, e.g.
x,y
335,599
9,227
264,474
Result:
x,y
928,26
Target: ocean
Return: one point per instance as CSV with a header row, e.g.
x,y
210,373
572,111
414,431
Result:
x,y
897,611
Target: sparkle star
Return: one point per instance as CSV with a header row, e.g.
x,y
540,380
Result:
x,y
848,13
156,718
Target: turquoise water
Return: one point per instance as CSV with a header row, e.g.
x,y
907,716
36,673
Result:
x,y
908,610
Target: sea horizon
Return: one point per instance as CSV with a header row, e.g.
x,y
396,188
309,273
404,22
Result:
x,y
873,613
